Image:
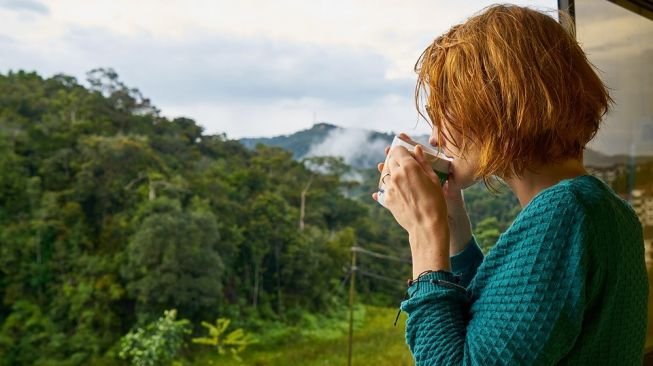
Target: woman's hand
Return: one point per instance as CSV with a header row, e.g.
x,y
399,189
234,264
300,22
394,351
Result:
x,y
414,197
460,227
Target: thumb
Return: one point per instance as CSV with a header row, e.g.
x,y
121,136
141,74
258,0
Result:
x,y
426,166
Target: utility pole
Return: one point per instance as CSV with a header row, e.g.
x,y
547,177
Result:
x,y
302,206
351,302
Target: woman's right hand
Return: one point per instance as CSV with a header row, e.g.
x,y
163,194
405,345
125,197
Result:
x,y
460,227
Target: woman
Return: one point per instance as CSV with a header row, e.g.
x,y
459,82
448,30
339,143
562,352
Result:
x,y
510,94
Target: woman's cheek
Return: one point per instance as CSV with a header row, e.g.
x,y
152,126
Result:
x,y
461,173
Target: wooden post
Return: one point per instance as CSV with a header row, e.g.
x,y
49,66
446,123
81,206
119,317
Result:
x,y
351,301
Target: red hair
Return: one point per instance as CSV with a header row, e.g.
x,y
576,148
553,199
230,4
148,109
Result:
x,y
515,83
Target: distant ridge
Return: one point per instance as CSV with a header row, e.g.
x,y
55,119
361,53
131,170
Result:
x,y
360,148
364,148
298,142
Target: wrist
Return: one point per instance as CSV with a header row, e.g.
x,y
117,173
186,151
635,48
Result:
x,y
460,246
430,248
429,234
422,266
455,206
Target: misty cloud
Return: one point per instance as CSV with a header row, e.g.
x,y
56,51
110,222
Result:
x,y
31,6
357,147
6,39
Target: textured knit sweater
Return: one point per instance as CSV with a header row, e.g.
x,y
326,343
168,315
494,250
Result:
x,y
566,284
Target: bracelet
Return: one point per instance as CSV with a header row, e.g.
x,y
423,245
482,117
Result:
x,y
410,281
435,281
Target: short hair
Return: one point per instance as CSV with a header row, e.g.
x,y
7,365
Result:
x,y
515,83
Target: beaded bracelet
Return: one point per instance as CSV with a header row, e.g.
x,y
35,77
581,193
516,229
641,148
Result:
x,y
434,281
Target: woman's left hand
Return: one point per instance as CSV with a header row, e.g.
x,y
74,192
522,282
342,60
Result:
x,y
414,196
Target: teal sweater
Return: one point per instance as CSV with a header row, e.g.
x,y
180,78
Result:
x,y
565,284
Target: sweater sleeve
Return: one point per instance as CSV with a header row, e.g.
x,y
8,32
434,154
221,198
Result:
x,y
465,263
530,310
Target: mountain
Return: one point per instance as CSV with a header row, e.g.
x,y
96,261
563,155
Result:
x,y
358,147
363,149
299,143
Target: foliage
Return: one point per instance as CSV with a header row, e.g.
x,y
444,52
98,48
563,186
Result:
x,y
157,343
173,258
491,214
487,233
111,213
376,342
235,342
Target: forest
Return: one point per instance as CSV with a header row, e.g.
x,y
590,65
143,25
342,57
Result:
x,y
117,223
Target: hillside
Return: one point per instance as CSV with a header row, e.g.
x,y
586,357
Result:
x,y
361,149
299,143
112,214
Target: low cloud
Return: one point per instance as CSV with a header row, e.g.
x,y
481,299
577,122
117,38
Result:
x,y
357,147
30,6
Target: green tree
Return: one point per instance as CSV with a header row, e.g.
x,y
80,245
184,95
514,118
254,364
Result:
x,y
173,259
269,228
111,213
157,343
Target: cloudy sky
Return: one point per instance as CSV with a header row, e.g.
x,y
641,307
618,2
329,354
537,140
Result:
x,y
263,68
246,67
620,45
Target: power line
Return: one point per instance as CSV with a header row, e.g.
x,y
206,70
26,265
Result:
x,y
352,275
390,247
374,275
379,255
344,280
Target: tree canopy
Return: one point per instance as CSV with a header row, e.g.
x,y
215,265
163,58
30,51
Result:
x,y
111,213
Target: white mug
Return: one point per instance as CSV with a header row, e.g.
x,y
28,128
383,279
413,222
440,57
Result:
x,y
438,160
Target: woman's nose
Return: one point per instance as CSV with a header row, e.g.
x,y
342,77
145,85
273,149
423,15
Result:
x,y
433,140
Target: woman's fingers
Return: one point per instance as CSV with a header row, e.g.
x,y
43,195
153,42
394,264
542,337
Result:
x,y
421,159
380,166
394,155
387,150
403,136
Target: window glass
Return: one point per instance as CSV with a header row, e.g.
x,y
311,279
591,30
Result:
x,y
618,42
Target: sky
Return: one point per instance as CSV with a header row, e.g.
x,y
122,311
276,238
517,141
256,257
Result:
x,y
252,68
618,42
248,67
